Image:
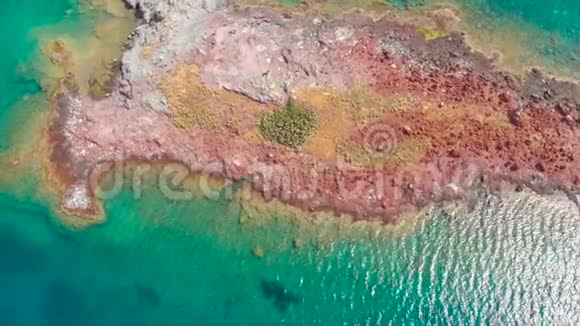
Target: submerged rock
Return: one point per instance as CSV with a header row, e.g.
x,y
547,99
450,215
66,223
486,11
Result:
x,y
147,294
258,252
282,298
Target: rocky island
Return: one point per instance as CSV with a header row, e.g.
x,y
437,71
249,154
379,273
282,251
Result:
x,y
355,114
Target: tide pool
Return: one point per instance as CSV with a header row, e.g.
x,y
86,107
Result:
x,y
159,262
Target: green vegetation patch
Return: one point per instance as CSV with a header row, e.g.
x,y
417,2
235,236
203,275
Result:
x,y
290,126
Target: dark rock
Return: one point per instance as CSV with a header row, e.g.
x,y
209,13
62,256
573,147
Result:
x,y
563,108
282,298
515,117
147,294
453,153
514,167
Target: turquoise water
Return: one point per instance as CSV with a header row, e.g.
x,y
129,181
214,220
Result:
x,y
558,16
542,29
157,262
18,48
558,47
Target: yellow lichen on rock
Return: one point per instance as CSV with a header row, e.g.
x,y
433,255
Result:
x,y
190,102
333,122
455,116
196,105
341,112
405,152
432,33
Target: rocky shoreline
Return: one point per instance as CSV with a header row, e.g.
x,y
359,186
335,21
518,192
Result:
x,y
403,121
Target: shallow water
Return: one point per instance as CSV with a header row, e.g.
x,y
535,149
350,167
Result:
x,y
527,32
191,263
157,262
533,32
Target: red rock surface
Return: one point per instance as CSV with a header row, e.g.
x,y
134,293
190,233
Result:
x,y
483,126
516,149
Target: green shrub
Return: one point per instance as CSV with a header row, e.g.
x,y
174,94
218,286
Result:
x,y
290,126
